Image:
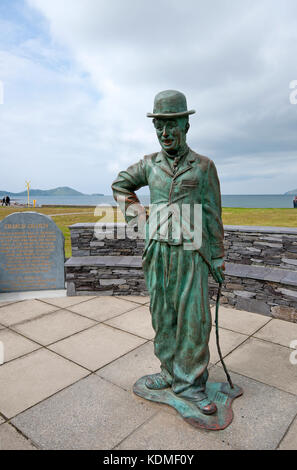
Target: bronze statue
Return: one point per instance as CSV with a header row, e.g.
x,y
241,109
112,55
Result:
x,y
176,266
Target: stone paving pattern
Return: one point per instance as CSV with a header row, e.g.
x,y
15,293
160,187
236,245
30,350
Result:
x,y
70,365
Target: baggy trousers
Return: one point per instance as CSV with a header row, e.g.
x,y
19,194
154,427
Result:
x,y
177,281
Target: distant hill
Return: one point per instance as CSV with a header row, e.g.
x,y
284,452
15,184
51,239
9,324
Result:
x,y
61,191
291,193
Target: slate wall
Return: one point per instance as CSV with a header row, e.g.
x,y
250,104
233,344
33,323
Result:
x,y
261,266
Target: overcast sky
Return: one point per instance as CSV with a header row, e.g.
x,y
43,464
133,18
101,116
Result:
x,y
80,75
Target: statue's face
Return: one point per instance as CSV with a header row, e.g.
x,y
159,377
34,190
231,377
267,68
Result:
x,y
171,133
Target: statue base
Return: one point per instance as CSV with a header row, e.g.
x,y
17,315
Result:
x,y
219,392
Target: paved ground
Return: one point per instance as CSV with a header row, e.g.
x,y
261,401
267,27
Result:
x,y
71,362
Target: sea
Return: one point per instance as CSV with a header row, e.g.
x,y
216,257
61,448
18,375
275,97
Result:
x,y
248,201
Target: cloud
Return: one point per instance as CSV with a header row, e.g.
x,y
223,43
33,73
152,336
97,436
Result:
x,y
96,65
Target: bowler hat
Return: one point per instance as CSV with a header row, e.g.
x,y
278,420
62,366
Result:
x,y
170,104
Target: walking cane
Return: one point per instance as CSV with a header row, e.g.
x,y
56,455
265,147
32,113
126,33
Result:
x,y
217,335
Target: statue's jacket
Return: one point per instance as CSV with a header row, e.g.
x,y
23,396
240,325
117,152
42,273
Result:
x,y
194,184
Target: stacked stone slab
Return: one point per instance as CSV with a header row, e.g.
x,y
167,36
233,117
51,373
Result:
x,y
106,260
261,270
261,266
262,246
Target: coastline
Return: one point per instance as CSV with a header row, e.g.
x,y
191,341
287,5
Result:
x,y
266,201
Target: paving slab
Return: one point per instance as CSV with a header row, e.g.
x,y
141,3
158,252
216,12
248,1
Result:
x,y
16,345
126,370
23,311
139,299
137,322
37,294
54,326
119,351
32,378
91,414
97,346
11,439
289,442
102,308
261,415
278,332
3,304
229,340
169,432
64,302
240,321
267,362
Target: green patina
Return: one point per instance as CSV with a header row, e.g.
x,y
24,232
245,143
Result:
x,y
176,278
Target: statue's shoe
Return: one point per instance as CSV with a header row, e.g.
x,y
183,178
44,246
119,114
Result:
x,y
205,405
156,382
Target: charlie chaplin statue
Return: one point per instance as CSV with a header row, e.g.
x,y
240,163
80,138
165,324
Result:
x,y
177,277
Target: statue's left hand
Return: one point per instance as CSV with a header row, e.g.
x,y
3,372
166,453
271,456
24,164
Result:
x,y
218,268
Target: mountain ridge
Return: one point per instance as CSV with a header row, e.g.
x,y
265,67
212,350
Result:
x,y
293,192
59,191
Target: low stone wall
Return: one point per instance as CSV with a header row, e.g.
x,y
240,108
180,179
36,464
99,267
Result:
x,y
261,266
104,239
263,290
262,246
105,275
269,246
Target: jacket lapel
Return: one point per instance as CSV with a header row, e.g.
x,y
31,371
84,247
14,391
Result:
x,y
186,165
163,164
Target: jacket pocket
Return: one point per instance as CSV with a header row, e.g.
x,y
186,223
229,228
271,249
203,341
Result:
x,y
189,183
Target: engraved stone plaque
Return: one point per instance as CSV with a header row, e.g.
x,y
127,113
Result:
x,y
31,253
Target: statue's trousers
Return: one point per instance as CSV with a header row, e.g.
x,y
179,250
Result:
x,y
177,281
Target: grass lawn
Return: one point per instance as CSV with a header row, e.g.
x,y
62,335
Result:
x,y
264,217
64,216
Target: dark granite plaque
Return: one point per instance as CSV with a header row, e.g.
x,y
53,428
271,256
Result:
x,y
31,253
